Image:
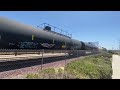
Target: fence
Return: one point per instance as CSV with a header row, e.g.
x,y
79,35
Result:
x,y
65,53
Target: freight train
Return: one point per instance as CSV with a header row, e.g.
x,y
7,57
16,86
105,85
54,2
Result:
x,y
15,35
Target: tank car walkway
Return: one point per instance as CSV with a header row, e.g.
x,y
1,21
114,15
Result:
x,y
116,67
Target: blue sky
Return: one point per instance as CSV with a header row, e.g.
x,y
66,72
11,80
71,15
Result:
x,y
101,26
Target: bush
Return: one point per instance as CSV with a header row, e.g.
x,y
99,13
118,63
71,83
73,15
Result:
x,y
44,74
93,67
32,76
48,73
60,73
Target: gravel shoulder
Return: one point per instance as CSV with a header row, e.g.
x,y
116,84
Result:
x,y
21,73
116,67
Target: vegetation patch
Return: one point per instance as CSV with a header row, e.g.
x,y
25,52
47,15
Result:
x,y
90,67
32,76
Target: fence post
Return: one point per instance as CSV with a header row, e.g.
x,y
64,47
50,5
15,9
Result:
x,y
52,51
65,57
16,53
38,52
42,58
65,66
77,54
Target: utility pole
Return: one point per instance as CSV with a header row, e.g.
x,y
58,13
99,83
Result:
x,y
119,46
112,48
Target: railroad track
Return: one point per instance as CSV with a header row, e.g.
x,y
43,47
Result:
x,y
24,68
28,51
14,69
17,64
11,65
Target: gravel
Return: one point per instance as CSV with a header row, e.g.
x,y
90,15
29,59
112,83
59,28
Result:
x,y
21,73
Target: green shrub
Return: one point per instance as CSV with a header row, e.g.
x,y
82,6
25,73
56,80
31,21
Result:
x,y
32,76
93,67
60,73
48,73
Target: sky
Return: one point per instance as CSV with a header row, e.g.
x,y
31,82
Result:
x,y
87,26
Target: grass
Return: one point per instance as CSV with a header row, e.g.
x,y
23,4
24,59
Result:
x,y
32,76
92,67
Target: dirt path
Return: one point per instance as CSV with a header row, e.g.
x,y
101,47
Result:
x,y
116,67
